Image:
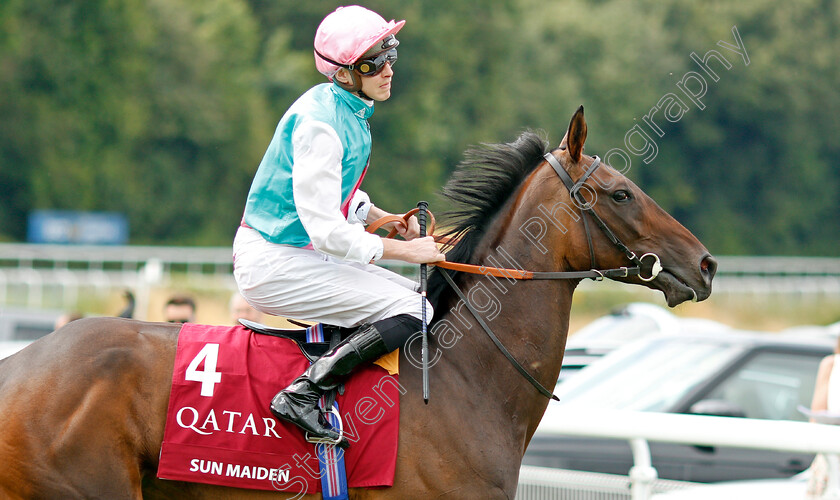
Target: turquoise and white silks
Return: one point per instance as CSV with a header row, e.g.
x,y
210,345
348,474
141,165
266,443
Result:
x,y
310,173
303,254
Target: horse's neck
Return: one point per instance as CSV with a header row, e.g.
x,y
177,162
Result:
x,y
531,316
531,319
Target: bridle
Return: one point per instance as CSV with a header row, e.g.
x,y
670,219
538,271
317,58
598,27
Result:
x,y
587,209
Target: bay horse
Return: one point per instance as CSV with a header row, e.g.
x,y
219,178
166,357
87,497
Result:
x,y
83,409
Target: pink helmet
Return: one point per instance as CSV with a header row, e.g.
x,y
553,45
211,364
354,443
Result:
x,y
348,33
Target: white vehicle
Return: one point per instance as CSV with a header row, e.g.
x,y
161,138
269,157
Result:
x,y
625,324
730,373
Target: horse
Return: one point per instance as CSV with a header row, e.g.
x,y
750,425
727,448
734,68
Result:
x,y
84,407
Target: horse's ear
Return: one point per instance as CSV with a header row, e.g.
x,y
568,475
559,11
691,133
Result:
x,y
576,135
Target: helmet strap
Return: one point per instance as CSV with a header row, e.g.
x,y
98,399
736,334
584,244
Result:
x,y
355,85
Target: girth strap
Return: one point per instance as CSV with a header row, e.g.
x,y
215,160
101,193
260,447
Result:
x,y
545,392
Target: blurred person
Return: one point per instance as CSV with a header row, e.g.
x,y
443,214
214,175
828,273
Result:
x,y
67,318
826,401
302,251
179,309
130,304
241,309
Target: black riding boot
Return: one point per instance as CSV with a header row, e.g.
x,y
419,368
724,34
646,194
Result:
x,y
298,403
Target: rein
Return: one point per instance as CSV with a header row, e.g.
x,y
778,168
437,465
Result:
x,y
521,274
521,369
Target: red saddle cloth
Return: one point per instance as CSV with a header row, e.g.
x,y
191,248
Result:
x,y
219,429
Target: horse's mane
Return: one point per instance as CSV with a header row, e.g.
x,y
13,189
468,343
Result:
x,y
481,184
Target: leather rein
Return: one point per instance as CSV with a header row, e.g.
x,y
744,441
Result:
x,y
521,274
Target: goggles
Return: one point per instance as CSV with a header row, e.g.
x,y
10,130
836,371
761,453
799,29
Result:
x,y
374,65
370,65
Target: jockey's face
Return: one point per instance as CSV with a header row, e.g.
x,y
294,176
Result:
x,y
378,86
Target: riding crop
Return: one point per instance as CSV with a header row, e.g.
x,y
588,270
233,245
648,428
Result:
x,y
421,218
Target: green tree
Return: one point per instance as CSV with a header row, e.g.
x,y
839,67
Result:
x,y
162,109
148,108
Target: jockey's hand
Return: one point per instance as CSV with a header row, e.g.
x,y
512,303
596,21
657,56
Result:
x,y
416,251
408,231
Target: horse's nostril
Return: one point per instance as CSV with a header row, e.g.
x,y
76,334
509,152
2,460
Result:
x,y
708,266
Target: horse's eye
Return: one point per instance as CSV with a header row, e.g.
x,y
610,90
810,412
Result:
x,y
621,196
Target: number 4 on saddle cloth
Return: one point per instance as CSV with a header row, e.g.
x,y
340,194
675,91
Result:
x,y
219,429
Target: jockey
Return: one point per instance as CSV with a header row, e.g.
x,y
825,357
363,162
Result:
x,y
302,251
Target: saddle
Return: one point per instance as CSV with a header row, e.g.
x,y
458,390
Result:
x,y
311,350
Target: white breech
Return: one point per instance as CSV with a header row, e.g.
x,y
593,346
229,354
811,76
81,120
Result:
x,y
307,285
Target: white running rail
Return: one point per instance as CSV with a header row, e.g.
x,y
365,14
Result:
x,y
640,427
